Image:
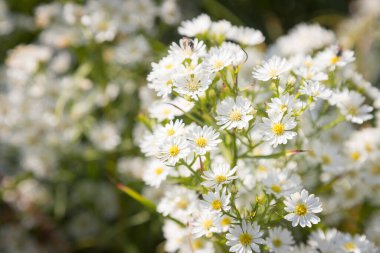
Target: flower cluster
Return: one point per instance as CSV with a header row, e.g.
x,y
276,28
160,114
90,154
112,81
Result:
x,y
236,145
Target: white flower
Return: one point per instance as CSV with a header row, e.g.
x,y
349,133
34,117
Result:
x,y
196,26
311,73
218,175
281,182
354,244
245,35
274,68
171,129
315,90
193,85
220,29
203,139
276,129
245,238
206,224
234,113
279,240
173,149
302,208
218,59
333,57
215,201
156,173
283,104
239,56
188,49
351,106
105,136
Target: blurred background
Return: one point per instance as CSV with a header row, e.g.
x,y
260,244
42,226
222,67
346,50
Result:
x,y
72,79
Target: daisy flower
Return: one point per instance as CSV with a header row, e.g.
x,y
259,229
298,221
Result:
x,y
280,240
215,201
274,68
354,244
218,59
219,175
203,139
220,29
234,113
193,85
351,106
196,26
284,104
315,90
245,35
188,49
302,208
311,74
206,224
334,57
245,238
276,129
281,182
171,129
173,149
156,173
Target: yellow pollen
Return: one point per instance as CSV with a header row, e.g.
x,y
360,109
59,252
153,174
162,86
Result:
x,y
262,168
277,242
166,111
198,244
283,108
158,171
326,160
193,85
245,239
349,246
216,204
201,142
169,66
169,83
276,188
218,64
368,147
182,204
273,73
355,156
207,224
225,221
220,179
300,209
352,110
278,128
235,115
334,59
174,150
170,132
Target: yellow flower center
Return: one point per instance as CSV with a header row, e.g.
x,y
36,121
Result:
x,y
300,209
170,132
349,246
278,128
174,150
220,179
158,171
334,59
169,83
326,160
355,156
216,204
235,115
273,73
193,85
245,239
283,108
182,204
207,224
226,221
169,66
198,244
277,242
352,110
201,142
276,188
218,64
166,111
